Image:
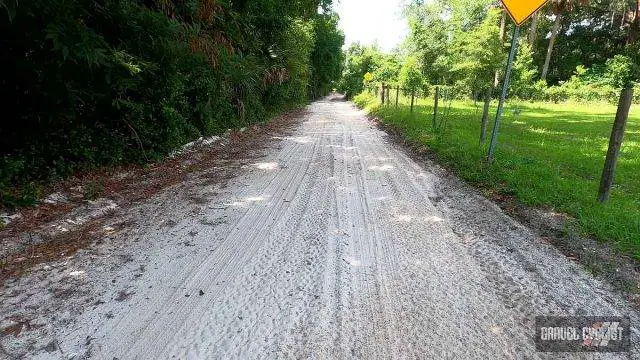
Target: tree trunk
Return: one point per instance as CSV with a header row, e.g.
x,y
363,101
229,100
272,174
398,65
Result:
x,y
503,25
634,26
435,109
503,28
615,142
552,40
533,29
485,115
397,95
413,95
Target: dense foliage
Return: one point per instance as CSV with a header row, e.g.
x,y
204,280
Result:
x,y
360,60
411,78
89,83
463,44
590,33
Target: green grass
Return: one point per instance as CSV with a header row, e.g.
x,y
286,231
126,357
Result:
x,y
548,155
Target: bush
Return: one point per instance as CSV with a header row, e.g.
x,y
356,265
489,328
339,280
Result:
x,y
590,85
599,84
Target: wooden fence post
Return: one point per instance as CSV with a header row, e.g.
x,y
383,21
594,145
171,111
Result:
x,y
435,108
413,94
388,98
382,94
485,114
615,142
397,94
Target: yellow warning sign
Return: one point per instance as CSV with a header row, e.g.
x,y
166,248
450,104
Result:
x,y
520,10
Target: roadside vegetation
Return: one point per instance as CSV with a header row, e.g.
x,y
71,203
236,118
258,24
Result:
x,y
575,68
100,83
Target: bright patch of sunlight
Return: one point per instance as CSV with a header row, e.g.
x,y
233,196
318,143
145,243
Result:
x,y
579,121
300,139
353,262
546,131
403,218
266,166
342,147
245,201
385,167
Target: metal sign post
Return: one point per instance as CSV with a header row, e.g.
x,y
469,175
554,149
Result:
x,y
520,11
505,90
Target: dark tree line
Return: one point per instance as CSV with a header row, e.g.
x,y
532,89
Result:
x,y
88,83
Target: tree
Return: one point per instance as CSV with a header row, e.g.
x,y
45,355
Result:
x,y
411,77
503,29
477,54
429,39
533,28
523,84
388,69
327,58
559,7
359,61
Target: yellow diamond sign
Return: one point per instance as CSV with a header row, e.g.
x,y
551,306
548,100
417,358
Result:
x,y
520,10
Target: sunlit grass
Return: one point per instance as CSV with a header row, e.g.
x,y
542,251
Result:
x,y
548,155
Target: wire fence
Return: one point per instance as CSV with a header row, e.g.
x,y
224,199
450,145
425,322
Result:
x,y
390,94
439,95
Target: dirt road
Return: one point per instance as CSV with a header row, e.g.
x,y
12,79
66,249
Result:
x,y
334,245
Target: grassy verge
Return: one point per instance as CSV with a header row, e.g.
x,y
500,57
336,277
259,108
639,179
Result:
x,y
549,155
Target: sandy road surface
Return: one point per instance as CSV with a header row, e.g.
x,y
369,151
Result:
x,y
334,245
